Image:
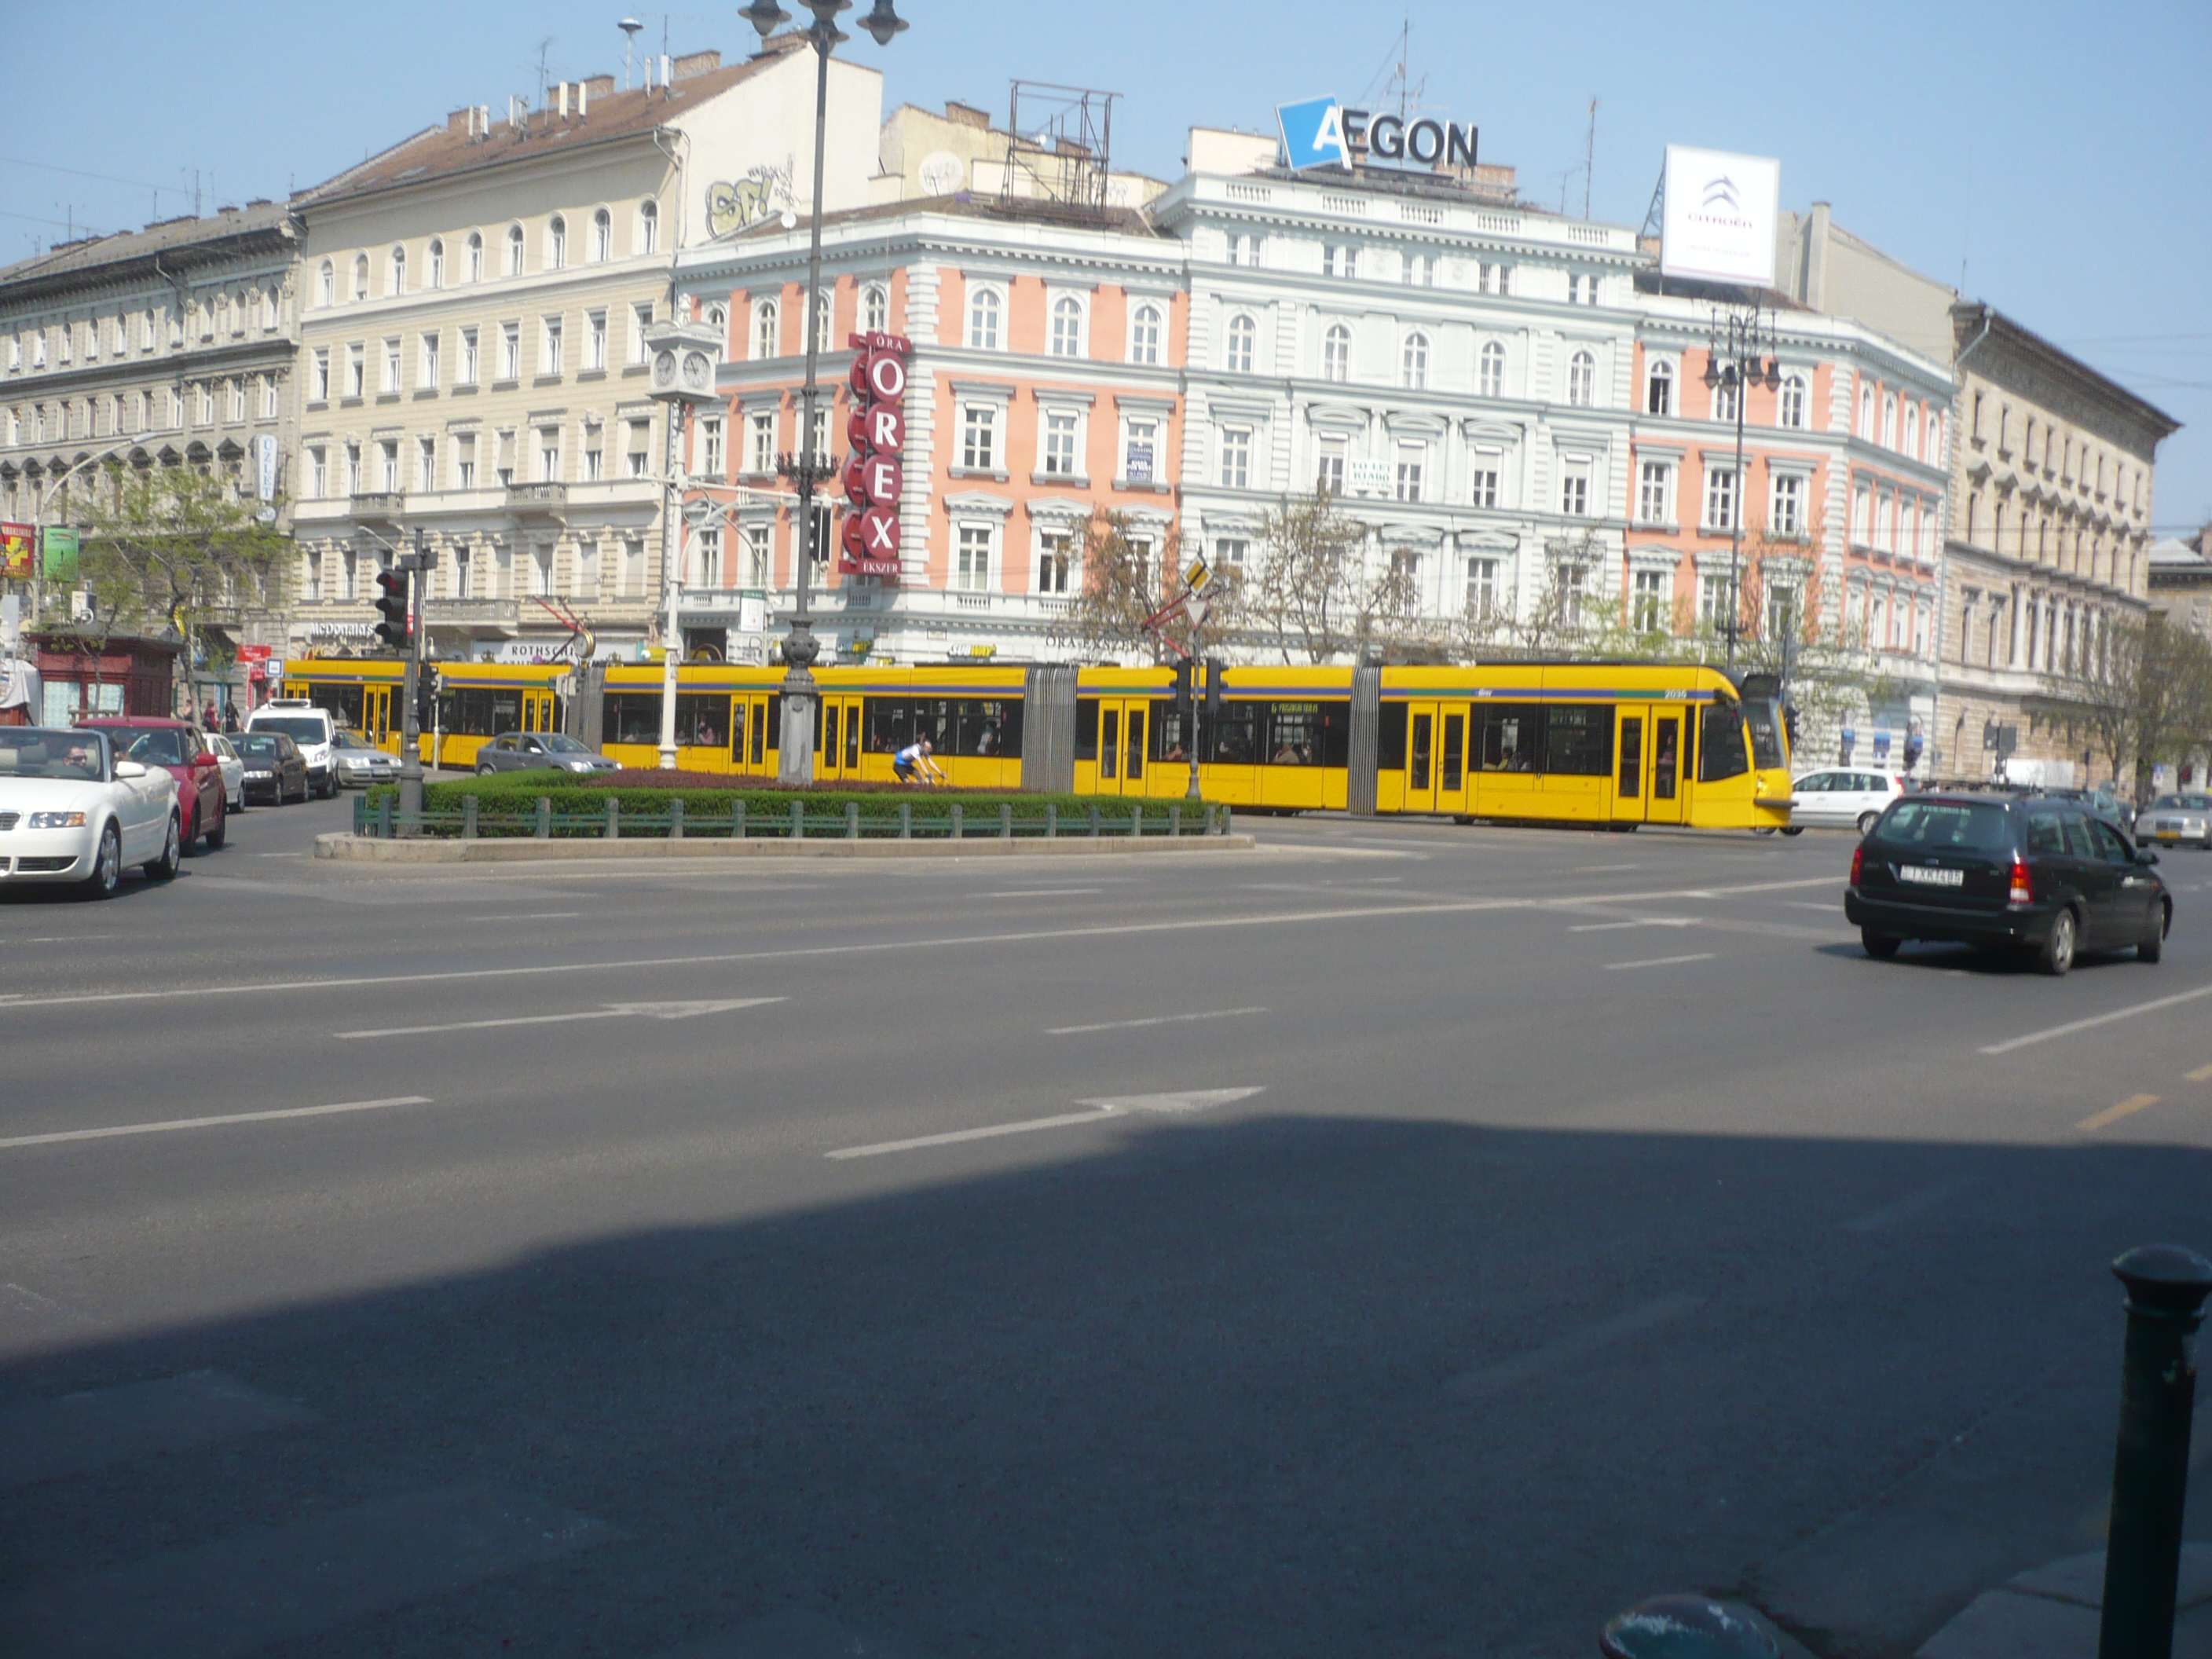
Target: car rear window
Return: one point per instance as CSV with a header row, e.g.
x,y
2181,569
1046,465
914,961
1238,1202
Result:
x,y
300,728
1964,826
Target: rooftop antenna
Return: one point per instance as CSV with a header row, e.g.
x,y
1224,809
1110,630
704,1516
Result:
x,y
544,48
1589,157
630,26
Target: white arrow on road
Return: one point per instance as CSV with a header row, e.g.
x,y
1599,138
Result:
x,y
612,1011
1192,1100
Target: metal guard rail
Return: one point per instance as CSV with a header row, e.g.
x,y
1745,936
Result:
x,y
542,822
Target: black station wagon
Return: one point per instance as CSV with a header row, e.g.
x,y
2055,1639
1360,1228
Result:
x,y
2035,873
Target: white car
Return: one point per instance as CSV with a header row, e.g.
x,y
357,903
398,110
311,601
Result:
x,y
1841,799
70,811
233,771
314,729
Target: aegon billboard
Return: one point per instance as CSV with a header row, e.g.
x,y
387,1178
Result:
x,y
1322,132
1719,219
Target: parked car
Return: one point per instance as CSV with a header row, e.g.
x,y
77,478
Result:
x,y
181,747
274,767
233,771
314,729
1843,799
72,811
361,762
525,752
2172,819
2032,873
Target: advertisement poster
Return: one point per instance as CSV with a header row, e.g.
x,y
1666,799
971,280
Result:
x,y
16,541
57,553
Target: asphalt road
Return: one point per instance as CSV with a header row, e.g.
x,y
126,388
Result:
x,y
1413,1239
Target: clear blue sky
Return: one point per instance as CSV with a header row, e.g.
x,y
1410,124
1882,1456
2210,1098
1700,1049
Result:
x,y
2064,156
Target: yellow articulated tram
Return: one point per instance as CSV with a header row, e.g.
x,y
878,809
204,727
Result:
x,y
1613,743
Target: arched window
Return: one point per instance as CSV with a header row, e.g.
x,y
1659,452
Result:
x,y
1243,333
1413,362
1724,401
556,244
1581,379
1491,382
514,250
764,329
1145,335
476,256
1336,353
983,320
648,226
437,277
1659,389
825,318
361,276
329,291
1067,326
1912,431
399,282
603,236
875,309
1790,411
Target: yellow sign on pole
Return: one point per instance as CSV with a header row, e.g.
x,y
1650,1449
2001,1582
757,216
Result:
x,y
1197,576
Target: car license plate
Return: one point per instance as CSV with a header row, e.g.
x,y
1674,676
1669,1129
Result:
x,y
1925,878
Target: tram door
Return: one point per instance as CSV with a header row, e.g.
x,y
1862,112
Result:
x,y
1665,805
748,733
376,717
1436,758
1631,776
1124,728
838,738
536,711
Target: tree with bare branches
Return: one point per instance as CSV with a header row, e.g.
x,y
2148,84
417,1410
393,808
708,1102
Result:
x,y
1127,575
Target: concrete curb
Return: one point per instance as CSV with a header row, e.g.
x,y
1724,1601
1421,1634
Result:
x,y
2052,1613
522,849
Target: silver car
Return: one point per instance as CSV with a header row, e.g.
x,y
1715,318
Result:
x,y
2172,819
528,751
361,762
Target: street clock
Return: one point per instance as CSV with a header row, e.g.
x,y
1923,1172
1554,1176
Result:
x,y
684,356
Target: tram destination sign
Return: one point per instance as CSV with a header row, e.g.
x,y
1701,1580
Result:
x,y
1322,132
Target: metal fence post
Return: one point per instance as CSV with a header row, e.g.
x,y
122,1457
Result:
x,y
384,819
1137,821
1006,820
1094,817
852,820
798,820
906,820
2167,1287
468,817
1228,818
1051,820
1175,819
614,817
737,819
676,819
544,829
956,820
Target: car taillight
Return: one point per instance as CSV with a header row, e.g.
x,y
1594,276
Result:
x,y
2023,886
1858,859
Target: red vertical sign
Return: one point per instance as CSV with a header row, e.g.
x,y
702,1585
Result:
x,y
874,478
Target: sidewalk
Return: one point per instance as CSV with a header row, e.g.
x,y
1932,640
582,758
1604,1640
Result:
x,y
2051,1613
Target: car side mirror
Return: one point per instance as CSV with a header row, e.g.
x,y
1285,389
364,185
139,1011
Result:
x,y
129,770
206,758
2143,855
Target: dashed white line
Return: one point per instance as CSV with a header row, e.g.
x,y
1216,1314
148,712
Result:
x,y
531,916
2029,1039
1041,892
1157,1019
1575,1344
1641,921
1660,962
171,1125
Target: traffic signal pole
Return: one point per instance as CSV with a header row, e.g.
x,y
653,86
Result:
x,y
411,719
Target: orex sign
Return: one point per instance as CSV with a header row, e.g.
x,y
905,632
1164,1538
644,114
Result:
x,y
1322,132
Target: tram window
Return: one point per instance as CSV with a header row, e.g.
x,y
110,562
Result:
x,y
344,702
1167,734
1390,737
1666,731
890,725
1417,753
1631,758
1721,745
934,724
480,711
1508,737
631,717
1234,738
700,721
760,734
1451,774
1578,739
774,721
1293,735
1086,730
990,726
1765,743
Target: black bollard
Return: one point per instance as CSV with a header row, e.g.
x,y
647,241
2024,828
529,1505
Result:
x,y
2167,1287
1688,1628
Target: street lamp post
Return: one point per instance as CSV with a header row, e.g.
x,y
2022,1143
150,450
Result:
x,y
1733,360
808,467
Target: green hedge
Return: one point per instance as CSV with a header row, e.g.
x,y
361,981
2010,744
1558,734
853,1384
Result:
x,y
519,793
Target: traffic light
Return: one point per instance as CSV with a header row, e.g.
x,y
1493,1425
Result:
x,y
1183,691
1214,689
391,605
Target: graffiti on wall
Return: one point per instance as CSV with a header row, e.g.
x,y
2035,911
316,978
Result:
x,y
732,206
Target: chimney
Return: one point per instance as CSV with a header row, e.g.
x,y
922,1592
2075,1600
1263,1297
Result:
x,y
562,94
462,123
601,86
696,62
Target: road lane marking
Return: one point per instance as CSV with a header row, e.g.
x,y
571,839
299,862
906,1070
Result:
x,y
169,1125
612,1011
1157,1019
77,1434
531,916
799,953
1640,921
2127,1108
1192,1100
1489,1380
1913,1204
2073,1025
1041,892
2201,1074
1660,962
68,938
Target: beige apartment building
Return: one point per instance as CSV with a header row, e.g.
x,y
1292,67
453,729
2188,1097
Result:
x,y
472,368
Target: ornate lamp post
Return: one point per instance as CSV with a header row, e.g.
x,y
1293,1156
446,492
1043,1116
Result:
x,y
810,466
1735,362
682,357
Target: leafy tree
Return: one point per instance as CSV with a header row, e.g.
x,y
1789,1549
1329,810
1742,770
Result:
x,y
1127,575
2145,693
1304,594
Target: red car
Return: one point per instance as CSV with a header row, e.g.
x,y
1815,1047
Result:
x,y
177,748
